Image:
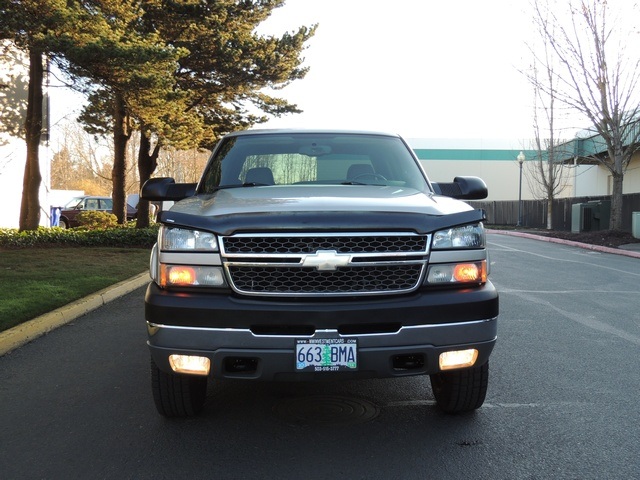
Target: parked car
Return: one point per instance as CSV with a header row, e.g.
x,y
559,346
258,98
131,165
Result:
x,y
76,205
318,255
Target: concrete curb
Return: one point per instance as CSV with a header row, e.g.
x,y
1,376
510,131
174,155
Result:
x,y
26,332
544,238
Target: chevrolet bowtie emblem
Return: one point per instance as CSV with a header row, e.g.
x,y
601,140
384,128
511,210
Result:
x,y
326,260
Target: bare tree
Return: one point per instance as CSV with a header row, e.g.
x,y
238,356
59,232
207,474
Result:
x,y
547,174
598,78
80,163
183,165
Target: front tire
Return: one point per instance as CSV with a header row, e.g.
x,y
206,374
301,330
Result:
x,y
460,391
177,395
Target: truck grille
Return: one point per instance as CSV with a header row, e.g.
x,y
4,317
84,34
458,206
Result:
x,y
293,280
268,244
327,264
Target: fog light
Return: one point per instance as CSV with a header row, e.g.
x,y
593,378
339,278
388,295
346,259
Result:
x,y
190,364
458,359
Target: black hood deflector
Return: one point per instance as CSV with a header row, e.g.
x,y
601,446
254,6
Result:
x,y
321,221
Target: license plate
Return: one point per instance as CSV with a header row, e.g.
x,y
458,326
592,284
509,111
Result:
x,y
327,355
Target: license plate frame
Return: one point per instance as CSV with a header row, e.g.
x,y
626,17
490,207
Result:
x,y
326,355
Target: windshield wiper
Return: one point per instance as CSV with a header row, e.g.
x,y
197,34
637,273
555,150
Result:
x,y
352,182
238,185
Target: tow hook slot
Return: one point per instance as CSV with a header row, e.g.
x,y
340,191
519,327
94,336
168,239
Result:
x,y
411,361
236,365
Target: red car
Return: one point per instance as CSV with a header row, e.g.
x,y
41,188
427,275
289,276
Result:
x,y
76,205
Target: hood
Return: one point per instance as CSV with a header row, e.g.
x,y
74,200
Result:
x,y
319,198
319,207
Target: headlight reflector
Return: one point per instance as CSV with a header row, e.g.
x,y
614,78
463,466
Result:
x,y
182,239
468,236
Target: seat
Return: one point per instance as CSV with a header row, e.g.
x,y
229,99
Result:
x,y
261,175
359,169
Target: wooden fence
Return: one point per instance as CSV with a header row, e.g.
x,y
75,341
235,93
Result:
x,y
534,212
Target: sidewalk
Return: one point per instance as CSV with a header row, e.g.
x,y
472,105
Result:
x,y
28,331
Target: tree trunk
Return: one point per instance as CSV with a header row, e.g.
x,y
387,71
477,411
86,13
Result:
x,y
615,222
30,204
121,135
147,163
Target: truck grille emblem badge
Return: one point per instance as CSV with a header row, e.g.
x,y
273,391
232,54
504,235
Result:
x,y
326,260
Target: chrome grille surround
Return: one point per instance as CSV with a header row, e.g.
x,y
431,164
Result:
x,y
318,264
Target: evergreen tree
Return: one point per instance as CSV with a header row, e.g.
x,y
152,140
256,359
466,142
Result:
x,y
223,65
126,70
182,73
32,25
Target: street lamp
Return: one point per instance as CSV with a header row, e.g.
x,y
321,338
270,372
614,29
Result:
x,y
520,159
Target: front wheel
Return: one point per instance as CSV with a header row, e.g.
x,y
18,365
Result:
x,y
461,391
177,395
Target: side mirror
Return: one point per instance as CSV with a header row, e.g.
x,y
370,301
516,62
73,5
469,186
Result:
x,y
463,188
166,189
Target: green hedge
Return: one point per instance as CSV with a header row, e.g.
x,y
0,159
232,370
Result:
x,y
96,220
122,236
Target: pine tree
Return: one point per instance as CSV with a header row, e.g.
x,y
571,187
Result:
x,y
222,68
31,25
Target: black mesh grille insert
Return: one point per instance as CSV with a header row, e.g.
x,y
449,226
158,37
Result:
x,y
298,280
259,245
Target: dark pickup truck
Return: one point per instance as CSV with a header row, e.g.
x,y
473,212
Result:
x,y
318,255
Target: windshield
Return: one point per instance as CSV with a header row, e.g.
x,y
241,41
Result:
x,y
73,203
312,159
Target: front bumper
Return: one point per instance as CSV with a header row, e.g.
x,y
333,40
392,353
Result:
x,y
239,335
273,358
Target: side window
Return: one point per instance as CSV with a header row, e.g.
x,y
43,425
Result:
x,y
106,204
91,204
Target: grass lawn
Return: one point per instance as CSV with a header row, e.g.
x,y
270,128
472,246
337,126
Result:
x,y
34,281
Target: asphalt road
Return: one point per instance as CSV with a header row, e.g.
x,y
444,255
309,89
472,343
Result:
x,y
562,401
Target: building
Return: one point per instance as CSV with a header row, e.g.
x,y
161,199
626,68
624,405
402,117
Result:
x,y
496,162
493,160
591,178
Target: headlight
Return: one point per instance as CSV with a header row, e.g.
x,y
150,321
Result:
x,y
183,240
186,258
469,236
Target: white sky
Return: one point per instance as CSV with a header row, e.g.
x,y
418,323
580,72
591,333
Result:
x,y
421,68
